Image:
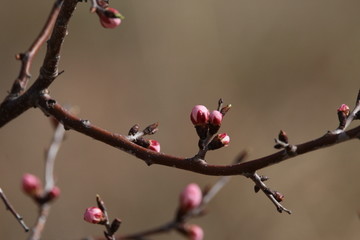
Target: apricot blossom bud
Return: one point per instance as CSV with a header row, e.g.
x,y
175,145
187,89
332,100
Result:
x,y
219,141
195,232
343,112
94,215
154,145
54,193
215,117
190,197
109,18
215,120
345,109
199,115
278,196
31,184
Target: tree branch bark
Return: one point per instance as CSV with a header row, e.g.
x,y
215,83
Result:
x,y
70,121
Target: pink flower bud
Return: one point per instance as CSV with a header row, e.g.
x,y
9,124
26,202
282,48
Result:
x,y
224,138
345,109
154,145
190,197
199,115
31,184
195,232
109,18
219,141
215,118
94,215
54,193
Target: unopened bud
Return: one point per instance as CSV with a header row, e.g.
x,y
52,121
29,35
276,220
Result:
x,y
225,109
54,193
31,184
199,115
109,18
154,145
190,197
219,141
94,215
278,196
343,112
283,137
215,120
134,129
194,232
345,109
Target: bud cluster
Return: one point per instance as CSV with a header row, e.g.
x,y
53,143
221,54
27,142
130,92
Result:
x,y
136,136
208,124
190,199
32,187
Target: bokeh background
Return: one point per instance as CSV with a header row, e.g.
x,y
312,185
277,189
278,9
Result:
x,y
281,64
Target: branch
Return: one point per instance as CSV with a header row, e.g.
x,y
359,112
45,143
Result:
x,y
12,210
70,121
50,190
13,106
26,58
274,196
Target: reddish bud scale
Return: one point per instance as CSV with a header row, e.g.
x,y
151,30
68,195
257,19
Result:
x,y
278,196
54,193
190,197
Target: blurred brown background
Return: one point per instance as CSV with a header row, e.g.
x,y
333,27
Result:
x,y
281,64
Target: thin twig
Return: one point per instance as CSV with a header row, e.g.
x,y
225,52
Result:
x,y
12,106
270,194
10,208
354,112
44,207
26,58
51,156
39,226
161,229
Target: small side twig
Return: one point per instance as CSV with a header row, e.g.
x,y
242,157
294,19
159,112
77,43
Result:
x,y
178,223
274,196
51,156
10,208
26,58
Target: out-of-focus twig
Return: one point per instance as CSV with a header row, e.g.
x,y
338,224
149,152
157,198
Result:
x,y
44,207
13,211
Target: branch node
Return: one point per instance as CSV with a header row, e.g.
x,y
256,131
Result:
x,y
85,123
